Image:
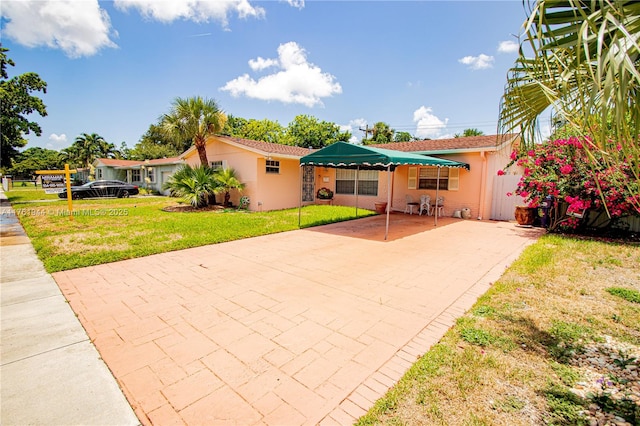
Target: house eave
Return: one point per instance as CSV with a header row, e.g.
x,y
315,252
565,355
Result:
x,y
456,151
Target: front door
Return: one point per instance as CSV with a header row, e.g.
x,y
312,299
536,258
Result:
x,y
308,183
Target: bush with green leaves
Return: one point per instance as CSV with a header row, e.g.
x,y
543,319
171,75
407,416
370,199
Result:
x,y
195,185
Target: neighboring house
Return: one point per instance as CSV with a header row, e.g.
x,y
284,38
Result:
x,y
147,174
274,179
270,171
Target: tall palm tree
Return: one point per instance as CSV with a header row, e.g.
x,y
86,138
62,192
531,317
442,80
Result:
x,y
107,150
580,59
195,119
227,180
87,147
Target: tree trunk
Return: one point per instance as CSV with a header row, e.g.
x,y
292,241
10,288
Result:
x,y
201,146
227,197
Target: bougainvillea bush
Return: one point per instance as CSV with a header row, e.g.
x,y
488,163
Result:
x,y
573,171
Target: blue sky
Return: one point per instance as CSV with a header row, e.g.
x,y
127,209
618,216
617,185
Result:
x,y
431,68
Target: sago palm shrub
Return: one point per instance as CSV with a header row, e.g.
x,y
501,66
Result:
x,y
227,180
195,185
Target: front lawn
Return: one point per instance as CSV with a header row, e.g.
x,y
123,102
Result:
x,y
556,341
108,230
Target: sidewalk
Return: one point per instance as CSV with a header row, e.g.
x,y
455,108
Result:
x,y
50,372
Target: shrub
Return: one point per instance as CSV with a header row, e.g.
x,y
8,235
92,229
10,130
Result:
x,y
574,171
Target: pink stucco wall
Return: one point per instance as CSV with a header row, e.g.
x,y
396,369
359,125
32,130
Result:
x,y
267,191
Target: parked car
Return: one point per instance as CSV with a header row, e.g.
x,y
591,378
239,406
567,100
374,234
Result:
x,y
101,188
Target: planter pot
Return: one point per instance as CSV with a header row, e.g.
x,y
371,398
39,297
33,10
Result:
x,y
381,207
324,201
525,216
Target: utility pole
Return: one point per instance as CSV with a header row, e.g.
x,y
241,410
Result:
x,y
366,131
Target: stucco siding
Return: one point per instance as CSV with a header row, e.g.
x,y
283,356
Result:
x,y
266,191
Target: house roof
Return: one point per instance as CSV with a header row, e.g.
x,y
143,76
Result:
x,y
452,145
259,147
112,162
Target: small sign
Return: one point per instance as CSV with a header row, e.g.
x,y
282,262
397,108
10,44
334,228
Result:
x,y
53,184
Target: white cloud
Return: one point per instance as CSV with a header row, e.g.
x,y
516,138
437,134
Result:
x,y
479,62
191,10
261,63
296,3
354,127
508,46
296,82
427,124
58,139
79,28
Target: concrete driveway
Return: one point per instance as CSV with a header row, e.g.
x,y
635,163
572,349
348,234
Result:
x,y
302,327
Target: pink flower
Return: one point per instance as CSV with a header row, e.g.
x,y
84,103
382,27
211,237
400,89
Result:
x,y
566,169
500,172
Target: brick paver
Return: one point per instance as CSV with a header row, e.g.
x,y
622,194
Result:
x,y
302,327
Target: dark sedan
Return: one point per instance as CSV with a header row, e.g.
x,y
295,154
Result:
x,y
101,188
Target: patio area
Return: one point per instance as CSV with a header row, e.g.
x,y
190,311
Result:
x,y
303,327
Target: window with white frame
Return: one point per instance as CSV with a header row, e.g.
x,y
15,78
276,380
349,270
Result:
x,y
448,179
151,174
99,174
273,166
135,175
218,164
346,182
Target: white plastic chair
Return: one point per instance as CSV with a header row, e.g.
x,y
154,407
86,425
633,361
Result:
x,y
439,206
425,204
410,204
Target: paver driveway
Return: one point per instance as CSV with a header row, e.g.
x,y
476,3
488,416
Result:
x,y
302,327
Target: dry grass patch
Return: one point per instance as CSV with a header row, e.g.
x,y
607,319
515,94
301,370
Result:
x,y
537,348
79,243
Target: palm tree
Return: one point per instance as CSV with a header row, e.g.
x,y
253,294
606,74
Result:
x,y
584,65
195,185
469,132
227,180
88,147
107,150
195,119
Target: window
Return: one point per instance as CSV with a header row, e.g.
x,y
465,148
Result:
x,y
346,182
98,174
218,164
151,174
449,178
273,166
135,176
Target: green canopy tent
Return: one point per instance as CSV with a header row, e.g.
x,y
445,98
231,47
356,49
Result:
x,y
350,156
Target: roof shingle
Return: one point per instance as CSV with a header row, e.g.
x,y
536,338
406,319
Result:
x,y
466,143
269,147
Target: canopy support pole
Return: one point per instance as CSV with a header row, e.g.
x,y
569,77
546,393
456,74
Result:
x,y
300,199
357,170
386,232
435,212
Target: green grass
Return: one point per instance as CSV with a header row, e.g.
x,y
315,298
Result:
x,y
511,358
108,230
627,294
20,195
